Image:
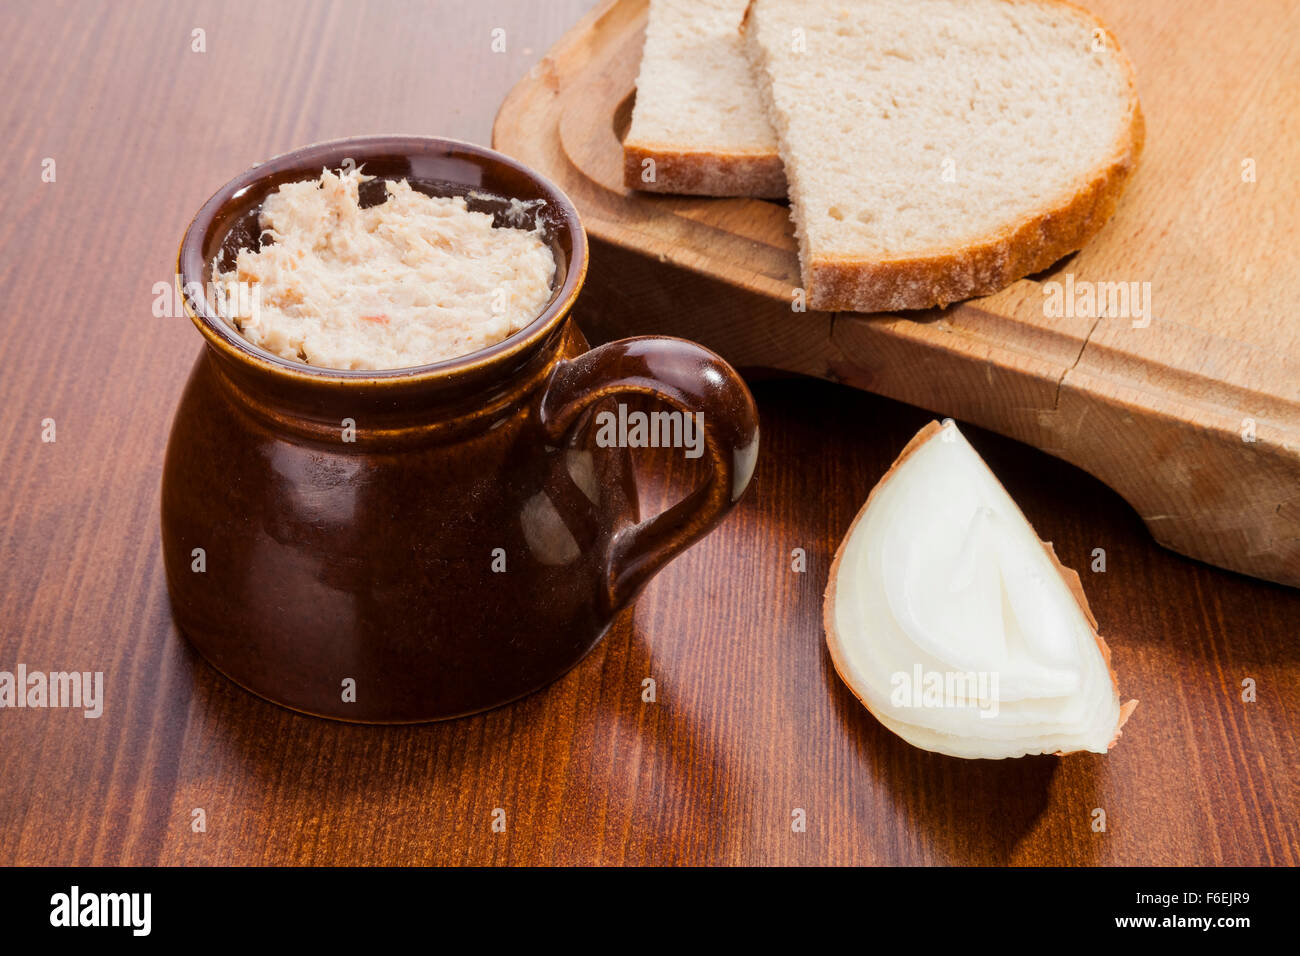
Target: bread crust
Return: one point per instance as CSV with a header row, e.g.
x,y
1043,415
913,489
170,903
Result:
x,y
848,283
838,654
860,284
704,172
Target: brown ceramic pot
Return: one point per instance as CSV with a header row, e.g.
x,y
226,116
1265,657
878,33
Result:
x,y
474,538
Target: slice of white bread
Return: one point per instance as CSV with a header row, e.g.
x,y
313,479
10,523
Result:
x,y
698,125
941,149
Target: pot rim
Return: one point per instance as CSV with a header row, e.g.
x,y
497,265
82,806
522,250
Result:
x,y
227,341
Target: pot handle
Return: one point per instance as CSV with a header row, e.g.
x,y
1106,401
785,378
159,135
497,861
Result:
x,y
692,379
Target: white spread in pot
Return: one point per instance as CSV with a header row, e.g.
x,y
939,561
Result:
x,y
410,281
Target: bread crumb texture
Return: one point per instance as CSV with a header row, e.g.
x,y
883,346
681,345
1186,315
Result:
x,y
697,113
941,148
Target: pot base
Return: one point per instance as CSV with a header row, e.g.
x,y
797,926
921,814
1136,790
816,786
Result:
x,y
405,721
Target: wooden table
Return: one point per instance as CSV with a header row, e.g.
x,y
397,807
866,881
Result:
x,y
750,721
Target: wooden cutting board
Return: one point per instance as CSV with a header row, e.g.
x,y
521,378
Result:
x,y
1192,414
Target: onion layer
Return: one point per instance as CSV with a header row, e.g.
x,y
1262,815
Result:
x,y
956,626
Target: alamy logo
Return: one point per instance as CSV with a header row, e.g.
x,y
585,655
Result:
x,y
938,689
76,689
651,430
232,298
1098,300
75,908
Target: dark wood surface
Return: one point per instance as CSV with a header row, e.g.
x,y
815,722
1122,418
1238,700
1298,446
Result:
x,y
750,720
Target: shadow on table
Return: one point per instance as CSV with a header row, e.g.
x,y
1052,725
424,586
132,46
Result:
x,y
959,812
585,772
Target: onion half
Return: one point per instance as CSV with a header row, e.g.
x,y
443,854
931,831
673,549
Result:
x,y
956,626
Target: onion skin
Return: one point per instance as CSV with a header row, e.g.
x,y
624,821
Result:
x,y
1071,579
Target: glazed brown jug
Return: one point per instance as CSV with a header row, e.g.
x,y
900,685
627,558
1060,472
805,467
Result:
x,y
421,543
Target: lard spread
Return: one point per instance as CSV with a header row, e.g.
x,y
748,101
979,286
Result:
x,y
413,280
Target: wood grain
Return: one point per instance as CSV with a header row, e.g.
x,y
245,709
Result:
x,y
750,721
1157,409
